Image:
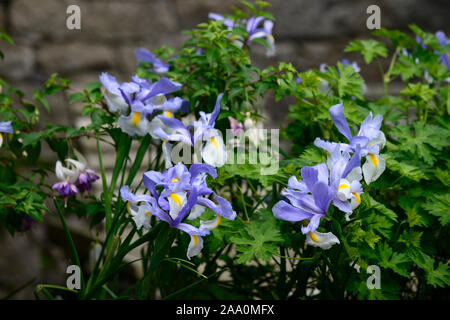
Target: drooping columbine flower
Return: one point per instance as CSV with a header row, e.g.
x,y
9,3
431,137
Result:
x,y
254,130
85,176
370,139
159,66
5,127
74,178
67,178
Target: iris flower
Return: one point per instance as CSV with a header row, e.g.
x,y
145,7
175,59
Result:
x,y
183,197
5,127
138,100
370,139
213,150
310,198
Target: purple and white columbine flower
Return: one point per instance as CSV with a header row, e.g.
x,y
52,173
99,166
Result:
x,y
73,179
5,127
183,197
85,176
67,178
370,139
159,66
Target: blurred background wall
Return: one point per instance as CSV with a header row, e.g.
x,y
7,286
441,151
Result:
x,y
307,34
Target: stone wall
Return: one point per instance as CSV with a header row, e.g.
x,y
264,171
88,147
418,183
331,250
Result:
x,y
307,33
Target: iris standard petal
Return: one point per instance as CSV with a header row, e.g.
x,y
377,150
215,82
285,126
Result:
x,y
338,117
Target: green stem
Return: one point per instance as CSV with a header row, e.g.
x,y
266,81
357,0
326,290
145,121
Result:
x,y
72,247
106,195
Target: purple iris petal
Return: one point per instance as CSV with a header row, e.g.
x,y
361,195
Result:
x,y
354,162
322,196
309,175
338,117
162,86
252,24
6,127
127,195
224,208
370,128
285,211
313,224
192,230
183,136
110,83
216,111
191,201
198,168
344,206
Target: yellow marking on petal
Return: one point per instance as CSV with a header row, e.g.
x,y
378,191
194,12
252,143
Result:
x,y
313,237
168,114
195,239
214,142
128,207
1,139
373,159
218,221
176,198
357,197
233,38
343,186
147,213
136,118
175,180
319,78
164,141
